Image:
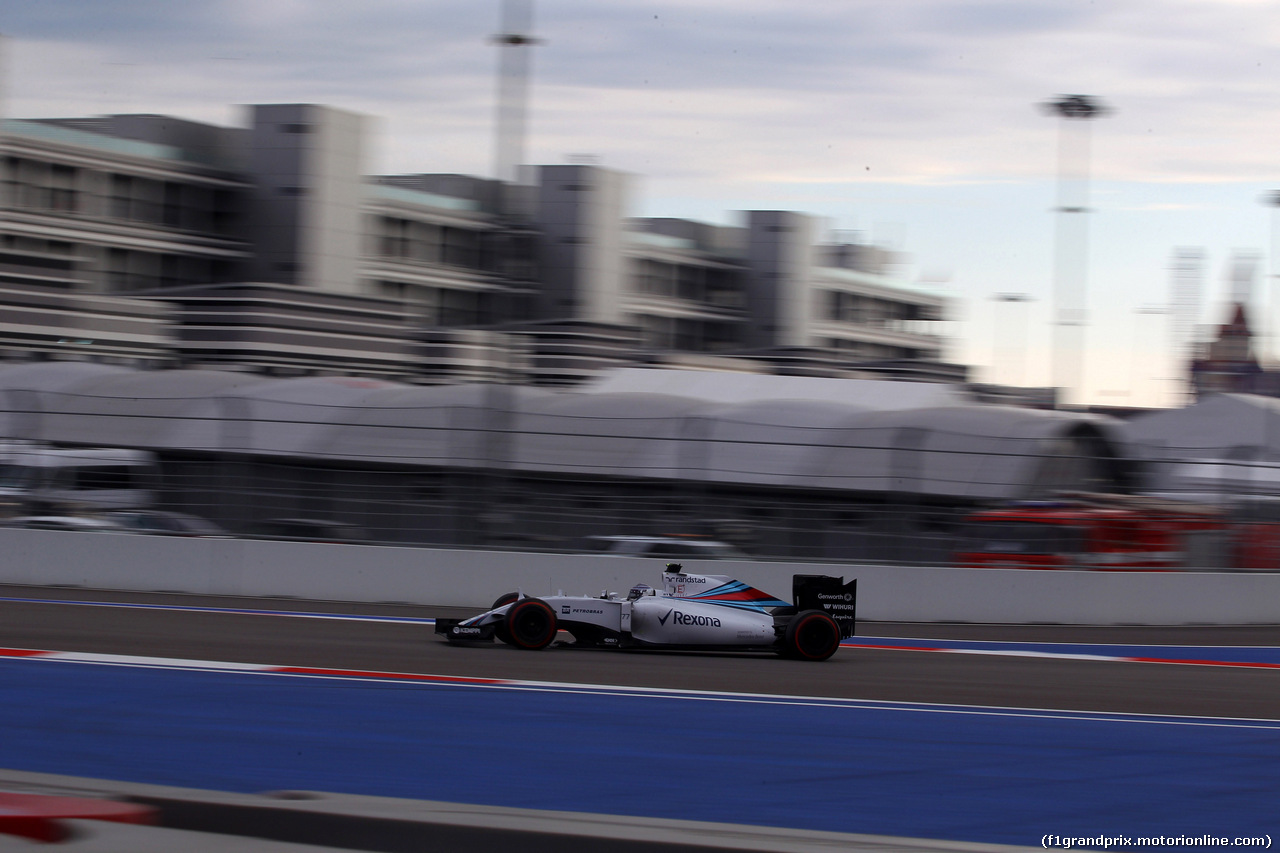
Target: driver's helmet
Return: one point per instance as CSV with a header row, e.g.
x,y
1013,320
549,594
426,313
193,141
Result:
x,y
638,590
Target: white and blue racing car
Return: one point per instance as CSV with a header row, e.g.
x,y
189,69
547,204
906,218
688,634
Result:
x,y
709,612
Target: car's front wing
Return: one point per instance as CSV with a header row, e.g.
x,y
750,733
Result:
x,y
456,631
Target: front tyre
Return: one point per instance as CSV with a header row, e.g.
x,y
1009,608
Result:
x,y
503,600
810,635
500,627
530,624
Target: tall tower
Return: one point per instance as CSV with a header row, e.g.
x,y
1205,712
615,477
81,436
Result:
x,y
780,292
306,165
1071,247
1244,276
581,213
1187,286
1270,325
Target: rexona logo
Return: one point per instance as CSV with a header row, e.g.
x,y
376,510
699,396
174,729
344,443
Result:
x,y
461,630
678,618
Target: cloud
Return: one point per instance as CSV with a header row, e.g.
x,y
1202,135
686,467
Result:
x,y
935,92
1166,207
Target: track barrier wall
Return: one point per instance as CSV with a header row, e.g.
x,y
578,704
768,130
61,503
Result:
x,y
326,572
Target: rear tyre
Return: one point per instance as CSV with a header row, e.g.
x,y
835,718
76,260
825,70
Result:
x,y
530,624
500,628
810,635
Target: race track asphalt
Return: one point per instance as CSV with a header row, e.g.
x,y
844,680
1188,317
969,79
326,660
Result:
x,y
173,626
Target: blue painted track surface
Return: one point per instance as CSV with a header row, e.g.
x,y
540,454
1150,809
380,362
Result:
x,y
1225,654
924,771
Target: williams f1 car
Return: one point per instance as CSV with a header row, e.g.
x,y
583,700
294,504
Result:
x,y
709,612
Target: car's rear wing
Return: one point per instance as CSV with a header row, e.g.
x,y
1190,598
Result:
x,y
831,595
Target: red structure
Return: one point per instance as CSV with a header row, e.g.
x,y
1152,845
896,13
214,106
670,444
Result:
x,y
1091,535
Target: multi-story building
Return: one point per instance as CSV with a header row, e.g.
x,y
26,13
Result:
x,y
149,239
92,213
769,288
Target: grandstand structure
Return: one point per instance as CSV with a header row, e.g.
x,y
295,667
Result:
x,y
795,467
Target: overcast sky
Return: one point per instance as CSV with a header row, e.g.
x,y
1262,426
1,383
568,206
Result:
x,y
914,122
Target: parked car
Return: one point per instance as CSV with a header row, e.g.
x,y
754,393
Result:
x,y
314,530
662,547
165,523
36,478
83,523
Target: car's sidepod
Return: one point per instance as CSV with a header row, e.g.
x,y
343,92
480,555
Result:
x,y
676,621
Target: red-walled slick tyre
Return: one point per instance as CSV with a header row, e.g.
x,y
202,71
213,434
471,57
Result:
x,y
810,635
503,600
531,624
500,628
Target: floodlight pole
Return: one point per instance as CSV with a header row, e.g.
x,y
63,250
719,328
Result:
x,y
1004,333
1072,239
493,518
513,93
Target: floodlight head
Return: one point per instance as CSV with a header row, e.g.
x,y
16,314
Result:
x,y
1077,107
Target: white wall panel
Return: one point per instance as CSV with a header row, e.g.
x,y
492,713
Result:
x,y
475,578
